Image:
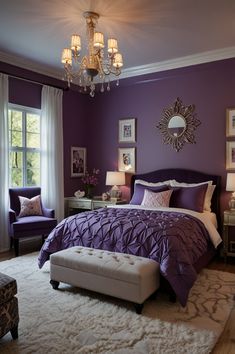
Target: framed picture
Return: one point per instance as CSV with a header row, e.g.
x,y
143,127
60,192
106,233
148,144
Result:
x,y
230,122
230,155
127,130
78,161
126,159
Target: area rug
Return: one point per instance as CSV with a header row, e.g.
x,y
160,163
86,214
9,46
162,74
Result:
x,y
72,320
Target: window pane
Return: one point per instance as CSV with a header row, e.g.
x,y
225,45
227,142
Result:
x,y
16,168
15,126
33,168
16,138
15,120
33,140
33,123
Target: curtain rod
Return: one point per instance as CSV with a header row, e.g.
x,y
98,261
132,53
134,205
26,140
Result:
x,y
34,82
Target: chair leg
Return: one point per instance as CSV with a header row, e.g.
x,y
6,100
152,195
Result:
x,y
16,246
11,242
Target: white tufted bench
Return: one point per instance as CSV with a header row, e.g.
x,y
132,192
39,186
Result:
x,y
121,275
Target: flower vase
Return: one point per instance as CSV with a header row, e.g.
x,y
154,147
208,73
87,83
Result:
x,y
89,191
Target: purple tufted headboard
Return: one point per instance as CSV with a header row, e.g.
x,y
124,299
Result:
x,y
187,176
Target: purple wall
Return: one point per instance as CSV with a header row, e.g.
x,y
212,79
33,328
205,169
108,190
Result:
x,y
210,87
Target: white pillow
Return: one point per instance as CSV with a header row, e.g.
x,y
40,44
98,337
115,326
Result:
x,y
153,184
30,207
208,195
156,200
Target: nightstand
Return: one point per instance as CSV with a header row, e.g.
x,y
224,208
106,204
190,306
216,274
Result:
x,y
82,204
229,245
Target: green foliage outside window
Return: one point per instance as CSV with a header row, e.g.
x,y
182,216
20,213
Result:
x,y
24,144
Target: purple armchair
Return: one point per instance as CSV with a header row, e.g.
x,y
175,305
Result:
x,y
28,226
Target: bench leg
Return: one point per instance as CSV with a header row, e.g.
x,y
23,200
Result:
x,y
14,332
55,284
139,308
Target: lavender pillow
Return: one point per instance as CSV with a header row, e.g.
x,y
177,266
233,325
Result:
x,y
156,200
191,198
139,192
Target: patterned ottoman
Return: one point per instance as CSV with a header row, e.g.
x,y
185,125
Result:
x,y
121,275
9,314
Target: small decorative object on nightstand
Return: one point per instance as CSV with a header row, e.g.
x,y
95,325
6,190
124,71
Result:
x,y
115,179
229,243
230,187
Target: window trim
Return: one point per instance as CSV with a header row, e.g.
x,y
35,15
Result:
x,y
23,148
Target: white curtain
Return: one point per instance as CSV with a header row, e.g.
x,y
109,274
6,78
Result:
x,y
4,239
52,169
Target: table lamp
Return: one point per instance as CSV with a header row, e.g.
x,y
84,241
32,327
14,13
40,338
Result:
x,y
115,179
230,187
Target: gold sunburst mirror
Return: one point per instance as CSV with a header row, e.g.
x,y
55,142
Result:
x,y
178,124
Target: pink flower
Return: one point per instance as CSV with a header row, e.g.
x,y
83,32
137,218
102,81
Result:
x,y
91,179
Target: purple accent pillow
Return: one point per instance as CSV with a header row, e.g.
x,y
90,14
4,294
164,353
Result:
x,y
191,198
139,189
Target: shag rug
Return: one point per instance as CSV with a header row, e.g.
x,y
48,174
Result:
x,y
72,320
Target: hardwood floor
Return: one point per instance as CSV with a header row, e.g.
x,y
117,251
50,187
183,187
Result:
x,y
226,343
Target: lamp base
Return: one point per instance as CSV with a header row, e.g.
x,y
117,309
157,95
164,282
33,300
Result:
x,y
232,204
115,192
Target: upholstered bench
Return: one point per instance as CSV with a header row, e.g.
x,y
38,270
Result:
x,y
9,315
121,275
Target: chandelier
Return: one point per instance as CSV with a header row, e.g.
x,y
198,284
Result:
x,y
93,67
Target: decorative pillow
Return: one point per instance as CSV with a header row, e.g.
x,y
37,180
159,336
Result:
x,y
155,184
156,200
30,206
209,192
191,198
139,192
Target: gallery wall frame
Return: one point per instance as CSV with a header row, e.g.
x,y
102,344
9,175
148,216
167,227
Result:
x,y
230,155
78,161
126,160
230,122
127,130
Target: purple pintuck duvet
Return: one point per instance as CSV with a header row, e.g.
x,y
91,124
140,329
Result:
x,y
175,240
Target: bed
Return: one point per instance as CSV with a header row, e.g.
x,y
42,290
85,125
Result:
x,y
181,240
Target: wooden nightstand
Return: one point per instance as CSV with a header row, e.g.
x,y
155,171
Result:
x,y
82,204
229,245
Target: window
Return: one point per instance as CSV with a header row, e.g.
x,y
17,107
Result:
x,y
24,146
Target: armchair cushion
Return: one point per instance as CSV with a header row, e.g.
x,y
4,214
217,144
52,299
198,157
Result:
x,y
32,225
30,206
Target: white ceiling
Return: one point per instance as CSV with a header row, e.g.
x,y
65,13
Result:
x,y
152,34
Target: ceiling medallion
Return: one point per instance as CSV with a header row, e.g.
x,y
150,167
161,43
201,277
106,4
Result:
x,y
93,66
178,124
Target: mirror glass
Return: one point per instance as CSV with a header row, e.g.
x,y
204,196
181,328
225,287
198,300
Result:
x,y
176,126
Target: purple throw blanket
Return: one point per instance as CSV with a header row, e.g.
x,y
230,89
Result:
x,y
175,240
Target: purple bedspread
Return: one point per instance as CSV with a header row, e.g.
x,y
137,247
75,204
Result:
x,y
175,240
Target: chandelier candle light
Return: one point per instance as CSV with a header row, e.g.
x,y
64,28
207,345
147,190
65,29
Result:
x,y
93,64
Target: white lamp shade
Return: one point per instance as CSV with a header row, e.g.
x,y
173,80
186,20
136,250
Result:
x,y
66,56
118,62
115,178
75,42
98,40
230,185
112,45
